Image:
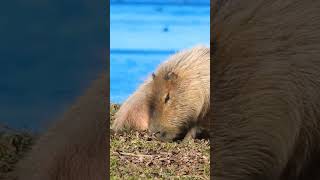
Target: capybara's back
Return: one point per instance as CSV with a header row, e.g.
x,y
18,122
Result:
x,y
266,89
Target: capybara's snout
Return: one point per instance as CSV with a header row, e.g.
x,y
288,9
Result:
x,y
167,134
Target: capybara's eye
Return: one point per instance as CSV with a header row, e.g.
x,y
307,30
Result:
x,y
167,98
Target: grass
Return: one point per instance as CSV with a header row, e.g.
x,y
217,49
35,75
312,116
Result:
x,y
136,155
13,145
133,155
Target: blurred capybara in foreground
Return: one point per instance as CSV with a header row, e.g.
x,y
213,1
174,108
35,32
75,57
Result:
x,y
75,148
266,90
175,99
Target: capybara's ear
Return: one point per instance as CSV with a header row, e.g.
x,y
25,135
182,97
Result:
x,y
134,112
170,76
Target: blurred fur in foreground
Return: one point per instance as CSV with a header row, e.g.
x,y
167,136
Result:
x,y
75,148
265,89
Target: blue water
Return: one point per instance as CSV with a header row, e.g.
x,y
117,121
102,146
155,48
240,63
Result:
x,y
127,73
49,52
144,35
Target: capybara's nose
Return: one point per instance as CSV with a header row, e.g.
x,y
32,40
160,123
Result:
x,y
157,133
154,132
163,134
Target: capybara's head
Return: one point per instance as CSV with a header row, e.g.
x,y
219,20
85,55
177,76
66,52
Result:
x,y
180,93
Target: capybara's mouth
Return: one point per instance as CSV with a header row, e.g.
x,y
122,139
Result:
x,y
194,133
170,136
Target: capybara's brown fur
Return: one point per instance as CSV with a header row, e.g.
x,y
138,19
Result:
x,y
76,147
174,99
266,90
180,94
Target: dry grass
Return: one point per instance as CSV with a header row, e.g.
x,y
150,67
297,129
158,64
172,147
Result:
x,y
13,145
133,155
136,155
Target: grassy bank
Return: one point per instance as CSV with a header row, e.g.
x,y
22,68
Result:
x,y
133,155
136,155
13,145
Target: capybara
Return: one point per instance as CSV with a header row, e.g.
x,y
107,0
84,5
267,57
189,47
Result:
x,y
134,112
174,99
75,148
265,90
